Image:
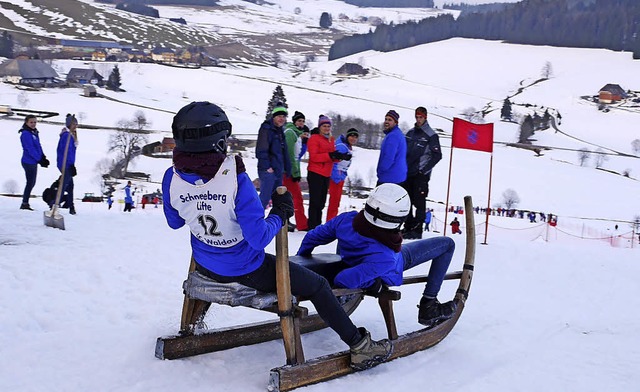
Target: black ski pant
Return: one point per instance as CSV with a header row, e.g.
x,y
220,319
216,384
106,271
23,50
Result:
x,y
318,189
305,283
417,186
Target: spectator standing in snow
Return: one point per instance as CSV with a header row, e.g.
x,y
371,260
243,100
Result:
x,y
109,201
32,156
68,142
128,197
322,155
392,163
272,154
235,219
344,145
427,219
423,153
296,134
370,243
455,226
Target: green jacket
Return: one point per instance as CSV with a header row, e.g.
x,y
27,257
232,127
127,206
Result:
x,y
294,147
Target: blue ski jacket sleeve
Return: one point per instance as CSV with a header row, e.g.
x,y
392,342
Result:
x,y
31,148
367,258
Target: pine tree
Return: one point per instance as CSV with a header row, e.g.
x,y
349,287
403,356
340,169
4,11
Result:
x,y
114,82
325,20
505,113
277,99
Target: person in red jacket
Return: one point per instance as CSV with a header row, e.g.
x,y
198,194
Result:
x,y
322,150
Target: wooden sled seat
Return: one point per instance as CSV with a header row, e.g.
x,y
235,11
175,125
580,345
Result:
x,y
204,288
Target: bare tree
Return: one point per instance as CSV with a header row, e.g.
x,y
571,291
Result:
x,y
10,186
547,70
510,198
635,146
583,156
127,142
140,120
601,158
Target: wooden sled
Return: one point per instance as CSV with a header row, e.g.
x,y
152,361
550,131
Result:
x,y
295,320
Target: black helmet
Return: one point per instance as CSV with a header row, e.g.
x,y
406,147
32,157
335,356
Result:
x,y
201,127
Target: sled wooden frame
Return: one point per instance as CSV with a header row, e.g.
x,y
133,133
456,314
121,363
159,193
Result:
x,y
294,321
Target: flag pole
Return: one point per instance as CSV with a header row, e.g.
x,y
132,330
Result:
x,y
446,204
486,223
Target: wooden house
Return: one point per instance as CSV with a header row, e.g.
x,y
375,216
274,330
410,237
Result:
x,y
35,73
82,76
351,69
611,93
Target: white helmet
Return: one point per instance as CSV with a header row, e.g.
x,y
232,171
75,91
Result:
x,y
387,206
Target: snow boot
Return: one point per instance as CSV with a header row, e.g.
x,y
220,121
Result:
x,y
432,311
368,353
26,206
291,227
72,210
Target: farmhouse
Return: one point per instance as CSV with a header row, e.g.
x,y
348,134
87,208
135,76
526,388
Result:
x,y
611,93
34,73
81,76
349,69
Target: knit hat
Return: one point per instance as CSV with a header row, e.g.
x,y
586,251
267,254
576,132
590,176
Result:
x,y
353,132
394,115
297,116
422,111
323,120
279,110
71,119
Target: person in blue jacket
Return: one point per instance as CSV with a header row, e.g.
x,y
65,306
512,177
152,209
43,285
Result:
x,y
128,197
32,156
392,163
272,154
68,141
370,243
209,191
344,146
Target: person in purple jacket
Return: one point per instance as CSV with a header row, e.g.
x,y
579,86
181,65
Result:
x,y
68,141
370,243
209,191
32,155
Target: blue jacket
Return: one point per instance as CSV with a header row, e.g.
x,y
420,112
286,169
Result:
x,y
127,194
258,231
366,257
339,172
392,164
271,149
31,147
62,143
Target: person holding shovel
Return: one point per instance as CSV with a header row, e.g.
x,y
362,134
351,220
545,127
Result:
x,y
208,190
67,145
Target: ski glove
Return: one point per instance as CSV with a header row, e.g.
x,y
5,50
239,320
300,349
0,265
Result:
x,y
375,288
72,170
282,206
44,162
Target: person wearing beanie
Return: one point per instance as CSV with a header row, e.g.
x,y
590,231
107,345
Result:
x,y
392,163
371,245
296,134
272,153
321,147
423,153
32,155
344,145
229,233
67,146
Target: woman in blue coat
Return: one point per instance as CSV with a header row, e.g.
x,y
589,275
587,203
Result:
x,y
32,155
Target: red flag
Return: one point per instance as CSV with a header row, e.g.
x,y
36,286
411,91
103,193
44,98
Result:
x,y
472,136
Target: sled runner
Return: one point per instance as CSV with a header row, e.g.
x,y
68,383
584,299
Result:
x,y
201,291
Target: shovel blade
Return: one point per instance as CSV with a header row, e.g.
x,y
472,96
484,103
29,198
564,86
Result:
x,y
53,219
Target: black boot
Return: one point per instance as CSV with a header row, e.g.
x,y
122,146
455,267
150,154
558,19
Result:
x,y
413,235
72,210
291,226
26,206
432,311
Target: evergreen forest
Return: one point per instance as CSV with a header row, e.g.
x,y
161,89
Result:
x,y
608,24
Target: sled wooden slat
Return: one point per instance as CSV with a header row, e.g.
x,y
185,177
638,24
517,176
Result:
x,y
324,368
